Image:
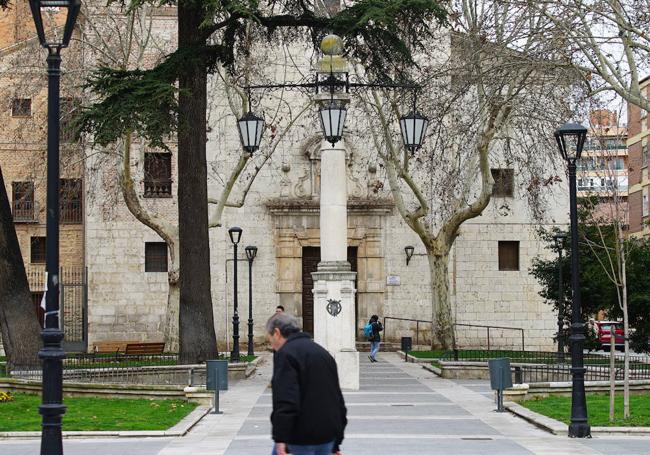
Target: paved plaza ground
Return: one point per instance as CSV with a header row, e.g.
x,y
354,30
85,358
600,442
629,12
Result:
x,y
400,409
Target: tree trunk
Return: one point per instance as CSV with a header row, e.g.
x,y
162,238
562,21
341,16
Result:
x,y
196,326
18,322
443,323
626,334
172,317
612,377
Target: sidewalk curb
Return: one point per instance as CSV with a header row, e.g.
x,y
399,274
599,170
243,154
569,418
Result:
x,y
559,428
545,423
180,429
435,370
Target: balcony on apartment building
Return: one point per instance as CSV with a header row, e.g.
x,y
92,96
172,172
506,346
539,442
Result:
x,y
25,211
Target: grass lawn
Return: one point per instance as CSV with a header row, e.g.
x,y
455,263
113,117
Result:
x,y
559,408
88,413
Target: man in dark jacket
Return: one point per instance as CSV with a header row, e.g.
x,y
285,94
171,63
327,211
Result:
x,y
309,414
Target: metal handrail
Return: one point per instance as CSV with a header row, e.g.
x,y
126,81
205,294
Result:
x,y
417,326
488,327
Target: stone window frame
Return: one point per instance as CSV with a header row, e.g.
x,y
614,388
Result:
x,y
21,107
156,257
509,255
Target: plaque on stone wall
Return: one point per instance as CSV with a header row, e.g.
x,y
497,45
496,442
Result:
x,y
333,307
393,280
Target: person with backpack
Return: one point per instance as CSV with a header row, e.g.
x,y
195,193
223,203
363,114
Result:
x,y
371,332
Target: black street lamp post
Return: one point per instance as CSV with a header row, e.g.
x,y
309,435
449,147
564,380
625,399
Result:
x,y
559,244
235,237
251,252
571,138
52,354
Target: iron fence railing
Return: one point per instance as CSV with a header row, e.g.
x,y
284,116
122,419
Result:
x,y
115,368
539,357
562,373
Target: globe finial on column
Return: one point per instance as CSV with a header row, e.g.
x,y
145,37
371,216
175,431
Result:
x,y
332,45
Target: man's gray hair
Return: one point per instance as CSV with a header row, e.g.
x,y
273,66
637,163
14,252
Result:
x,y
285,322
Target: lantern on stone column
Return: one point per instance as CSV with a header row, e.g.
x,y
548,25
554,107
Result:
x,y
414,127
332,117
251,128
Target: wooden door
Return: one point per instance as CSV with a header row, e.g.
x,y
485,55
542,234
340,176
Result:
x,y
310,260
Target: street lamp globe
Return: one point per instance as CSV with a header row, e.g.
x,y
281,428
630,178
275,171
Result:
x,y
251,252
48,30
235,234
251,128
570,139
414,127
332,117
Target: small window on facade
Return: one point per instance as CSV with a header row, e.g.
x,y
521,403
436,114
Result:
x,y
23,201
508,255
37,251
68,110
70,201
504,182
157,175
645,210
21,107
155,257
645,152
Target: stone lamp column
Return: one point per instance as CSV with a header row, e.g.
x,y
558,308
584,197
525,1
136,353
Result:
x,y
334,309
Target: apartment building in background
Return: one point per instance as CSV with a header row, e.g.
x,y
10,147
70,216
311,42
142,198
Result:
x,y
603,168
639,159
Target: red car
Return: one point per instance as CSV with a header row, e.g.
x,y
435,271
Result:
x,y
604,334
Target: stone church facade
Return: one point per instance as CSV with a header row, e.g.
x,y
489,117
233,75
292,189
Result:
x,y
280,217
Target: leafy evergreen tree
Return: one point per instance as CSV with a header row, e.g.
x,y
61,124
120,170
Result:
x,y
598,291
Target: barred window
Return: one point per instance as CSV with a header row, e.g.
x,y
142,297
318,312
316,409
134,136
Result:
x,y
157,175
37,251
69,107
508,255
23,201
155,257
21,107
70,201
504,182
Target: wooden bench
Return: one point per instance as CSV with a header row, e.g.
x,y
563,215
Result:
x,y
112,347
144,348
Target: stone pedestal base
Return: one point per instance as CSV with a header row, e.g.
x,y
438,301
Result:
x,y
334,318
